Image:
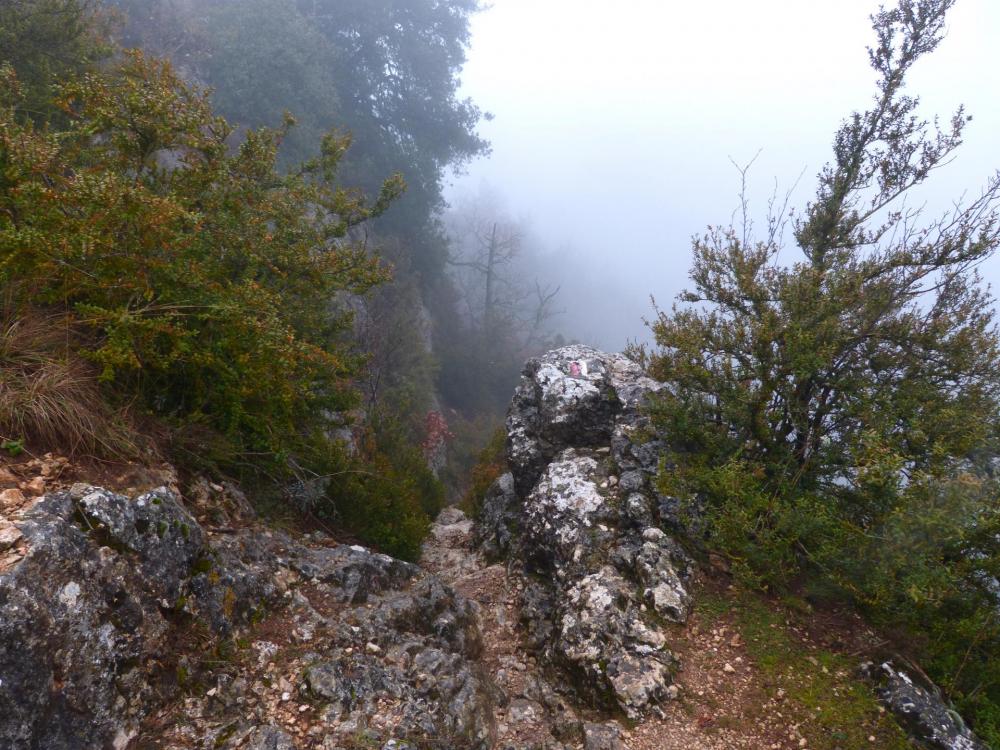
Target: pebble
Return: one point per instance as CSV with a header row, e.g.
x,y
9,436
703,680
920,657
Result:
x,y
11,499
36,486
9,537
728,668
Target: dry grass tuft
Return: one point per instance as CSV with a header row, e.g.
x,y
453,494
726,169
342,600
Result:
x,y
50,397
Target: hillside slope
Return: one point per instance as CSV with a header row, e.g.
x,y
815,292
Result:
x,y
567,616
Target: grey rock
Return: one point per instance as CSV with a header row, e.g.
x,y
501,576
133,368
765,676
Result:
x,y
351,682
560,514
356,572
234,579
523,711
82,613
663,570
596,630
422,641
921,710
637,511
86,617
554,409
163,538
451,516
603,737
604,638
582,457
499,518
632,481
567,729
269,738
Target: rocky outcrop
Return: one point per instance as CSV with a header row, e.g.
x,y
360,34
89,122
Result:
x,y
85,613
116,608
921,709
579,512
136,622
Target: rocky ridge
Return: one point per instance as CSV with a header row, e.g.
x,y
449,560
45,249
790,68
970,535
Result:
x,y
127,624
604,576
563,618
602,579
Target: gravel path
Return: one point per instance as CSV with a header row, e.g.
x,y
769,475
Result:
x,y
722,705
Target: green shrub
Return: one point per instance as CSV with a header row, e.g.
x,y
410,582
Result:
x,y
47,41
386,495
206,277
490,464
823,402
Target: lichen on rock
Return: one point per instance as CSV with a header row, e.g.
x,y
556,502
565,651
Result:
x,y
578,514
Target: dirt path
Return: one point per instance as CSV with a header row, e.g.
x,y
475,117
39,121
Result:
x,y
751,676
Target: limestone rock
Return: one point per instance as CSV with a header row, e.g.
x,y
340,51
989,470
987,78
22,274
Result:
x,y
269,738
603,737
578,512
88,613
499,518
921,710
568,398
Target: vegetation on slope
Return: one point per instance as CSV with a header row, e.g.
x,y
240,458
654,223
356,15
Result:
x,y
827,411
171,271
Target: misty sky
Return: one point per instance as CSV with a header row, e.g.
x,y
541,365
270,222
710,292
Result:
x,y
615,123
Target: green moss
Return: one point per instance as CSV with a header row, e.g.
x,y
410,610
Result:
x,y
839,711
202,565
490,464
225,734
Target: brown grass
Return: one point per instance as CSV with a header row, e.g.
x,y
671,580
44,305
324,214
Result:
x,y
50,397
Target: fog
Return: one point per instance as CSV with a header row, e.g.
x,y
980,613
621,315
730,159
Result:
x,y
615,126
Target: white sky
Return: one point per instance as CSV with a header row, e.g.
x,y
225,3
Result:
x,y
615,122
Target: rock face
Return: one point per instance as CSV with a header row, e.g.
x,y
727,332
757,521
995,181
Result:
x,y
578,511
85,612
95,614
921,710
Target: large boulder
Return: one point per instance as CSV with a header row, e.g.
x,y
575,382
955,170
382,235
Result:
x,y
112,600
498,518
578,511
86,611
921,709
569,397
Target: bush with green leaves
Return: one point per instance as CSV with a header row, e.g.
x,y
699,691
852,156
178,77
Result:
x,y
823,400
386,494
47,41
208,279
490,464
